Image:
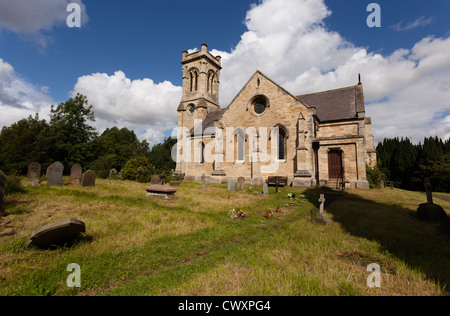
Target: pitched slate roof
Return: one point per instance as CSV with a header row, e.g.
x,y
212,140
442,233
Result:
x,y
333,105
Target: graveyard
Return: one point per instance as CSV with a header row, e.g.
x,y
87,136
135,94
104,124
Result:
x,y
318,242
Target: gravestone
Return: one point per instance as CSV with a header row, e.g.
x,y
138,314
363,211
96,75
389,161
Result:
x,y
34,171
203,182
56,173
3,180
76,172
266,188
241,182
56,234
232,185
88,179
113,174
155,179
163,178
48,172
430,211
321,218
161,191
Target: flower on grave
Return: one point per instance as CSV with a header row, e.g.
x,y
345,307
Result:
x,y
232,214
269,213
289,195
241,214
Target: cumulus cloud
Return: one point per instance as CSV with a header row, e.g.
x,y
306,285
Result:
x,y
289,41
147,107
32,18
19,98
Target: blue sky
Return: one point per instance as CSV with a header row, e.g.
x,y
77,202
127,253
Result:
x,y
126,57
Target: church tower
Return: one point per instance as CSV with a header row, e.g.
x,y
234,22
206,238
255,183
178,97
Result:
x,y
201,72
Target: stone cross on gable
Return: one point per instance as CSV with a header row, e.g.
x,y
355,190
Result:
x,y
322,202
428,191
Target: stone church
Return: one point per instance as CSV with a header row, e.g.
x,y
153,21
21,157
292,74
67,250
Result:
x,y
322,138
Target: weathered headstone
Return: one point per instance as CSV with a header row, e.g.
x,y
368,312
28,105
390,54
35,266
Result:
x,y
34,171
3,180
155,179
76,172
48,172
241,182
321,218
56,173
203,182
266,188
56,234
88,179
232,185
113,174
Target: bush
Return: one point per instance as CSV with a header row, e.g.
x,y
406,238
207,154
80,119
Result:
x,y
14,185
130,171
375,176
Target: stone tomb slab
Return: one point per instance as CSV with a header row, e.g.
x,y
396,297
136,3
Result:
x,y
56,234
161,191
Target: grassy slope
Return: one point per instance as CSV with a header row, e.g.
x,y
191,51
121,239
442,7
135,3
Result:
x,y
137,245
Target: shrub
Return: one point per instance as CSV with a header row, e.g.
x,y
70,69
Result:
x,y
375,176
130,171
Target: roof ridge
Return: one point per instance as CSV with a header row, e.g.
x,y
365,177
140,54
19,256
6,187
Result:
x,y
326,91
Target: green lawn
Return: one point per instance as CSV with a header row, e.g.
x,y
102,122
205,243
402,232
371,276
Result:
x,y
138,245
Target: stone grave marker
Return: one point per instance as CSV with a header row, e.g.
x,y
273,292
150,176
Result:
x,y
56,173
113,174
161,191
48,172
232,185
3,180
321,218
34,171
265,188
430,211
241,182
88,179
203,182
76,172
155,179
56,234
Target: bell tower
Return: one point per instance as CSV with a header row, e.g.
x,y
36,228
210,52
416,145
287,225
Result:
x,y
201,74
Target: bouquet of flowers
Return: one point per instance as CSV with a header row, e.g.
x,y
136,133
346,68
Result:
x,y
269,213
237,214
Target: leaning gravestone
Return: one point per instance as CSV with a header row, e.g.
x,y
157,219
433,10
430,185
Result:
x,y
88,179
3,181
34,171
48,172
56,234
76,172
241,182
113,174
56,173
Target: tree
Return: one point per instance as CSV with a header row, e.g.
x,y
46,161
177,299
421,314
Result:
x,y
161,155
130,171
26,141
115,147
72,134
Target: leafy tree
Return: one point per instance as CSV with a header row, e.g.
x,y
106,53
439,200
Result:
x,y
441,174
115,147
161,155
24,142
71,132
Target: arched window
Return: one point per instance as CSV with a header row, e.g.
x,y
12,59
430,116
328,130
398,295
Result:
x,y
239,140
193,80
210,83
281,144
202,152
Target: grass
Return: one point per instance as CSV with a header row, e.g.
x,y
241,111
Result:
x,y
138,245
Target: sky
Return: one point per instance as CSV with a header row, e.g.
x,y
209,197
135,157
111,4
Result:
x,y
125,57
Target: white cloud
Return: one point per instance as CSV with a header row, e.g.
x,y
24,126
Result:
x,y
142,105
419,22
19,98
32,18
405,91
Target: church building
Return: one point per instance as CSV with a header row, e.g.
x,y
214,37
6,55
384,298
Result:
x,y
322,138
